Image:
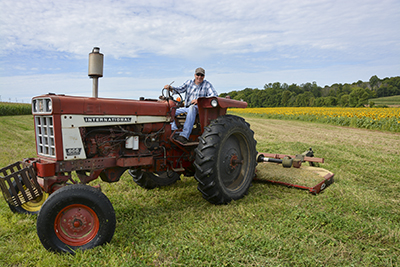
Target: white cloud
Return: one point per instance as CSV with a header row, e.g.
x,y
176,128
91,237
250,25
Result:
x,y
150,43
125,28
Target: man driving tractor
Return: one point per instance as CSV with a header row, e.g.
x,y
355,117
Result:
x,y
198,87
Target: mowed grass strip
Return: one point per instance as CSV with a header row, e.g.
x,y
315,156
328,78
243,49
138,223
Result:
x,y
387,101
354,222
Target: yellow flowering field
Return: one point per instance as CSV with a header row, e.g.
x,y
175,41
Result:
x,y
387,119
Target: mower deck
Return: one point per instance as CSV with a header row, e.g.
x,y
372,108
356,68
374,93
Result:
x,y
310,174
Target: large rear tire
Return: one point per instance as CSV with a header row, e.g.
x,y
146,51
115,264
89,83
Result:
x,y
149,180
75,217
225,159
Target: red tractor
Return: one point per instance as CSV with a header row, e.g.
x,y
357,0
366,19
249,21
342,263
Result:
x,y
97,137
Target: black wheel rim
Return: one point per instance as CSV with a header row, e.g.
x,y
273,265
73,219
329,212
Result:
x,y
233,160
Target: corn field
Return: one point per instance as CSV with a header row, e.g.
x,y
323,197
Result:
x,y
8,109
386,119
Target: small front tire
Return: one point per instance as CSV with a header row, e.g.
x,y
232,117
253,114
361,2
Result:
x,y
76,217
30,207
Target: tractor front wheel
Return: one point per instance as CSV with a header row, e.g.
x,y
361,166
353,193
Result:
x,y
225,159
30,207
76,217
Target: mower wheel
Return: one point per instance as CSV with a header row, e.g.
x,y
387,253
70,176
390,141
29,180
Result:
x,y
75,217
150,180
225,159
30,207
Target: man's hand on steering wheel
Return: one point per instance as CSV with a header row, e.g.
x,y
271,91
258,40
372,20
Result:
x,y
168,87
179,100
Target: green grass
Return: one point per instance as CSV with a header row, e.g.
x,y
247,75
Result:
x,y
355,222
387,101
7,109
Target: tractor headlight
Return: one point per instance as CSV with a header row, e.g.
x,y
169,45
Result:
x,y
34,106
214,103
49,105
42,105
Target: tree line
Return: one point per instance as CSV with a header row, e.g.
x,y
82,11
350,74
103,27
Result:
x,y
356,94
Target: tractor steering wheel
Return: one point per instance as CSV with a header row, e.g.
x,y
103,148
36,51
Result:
x,y
169,95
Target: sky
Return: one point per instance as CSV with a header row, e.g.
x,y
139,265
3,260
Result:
x,y
44,45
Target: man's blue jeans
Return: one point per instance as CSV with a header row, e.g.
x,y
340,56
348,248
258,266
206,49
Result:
x,y
192,112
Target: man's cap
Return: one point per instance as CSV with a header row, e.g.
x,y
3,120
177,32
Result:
x,y
200,71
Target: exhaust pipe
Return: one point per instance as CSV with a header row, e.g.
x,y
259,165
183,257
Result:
x,y
95,69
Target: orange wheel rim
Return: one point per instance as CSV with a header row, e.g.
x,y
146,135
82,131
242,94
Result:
x,y
76,225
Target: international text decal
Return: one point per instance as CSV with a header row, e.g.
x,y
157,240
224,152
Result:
x,y
107,119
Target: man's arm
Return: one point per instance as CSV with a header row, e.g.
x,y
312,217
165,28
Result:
x,y
210,90
179,89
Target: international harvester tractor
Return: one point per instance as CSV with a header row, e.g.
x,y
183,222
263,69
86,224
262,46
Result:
x,y
101,137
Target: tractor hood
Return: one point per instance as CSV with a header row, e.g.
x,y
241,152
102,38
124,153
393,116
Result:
x,y
63,104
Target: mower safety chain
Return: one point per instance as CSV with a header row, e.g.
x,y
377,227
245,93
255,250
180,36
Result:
x,y
19,184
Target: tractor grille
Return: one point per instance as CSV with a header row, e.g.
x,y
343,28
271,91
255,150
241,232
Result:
x,y
45,136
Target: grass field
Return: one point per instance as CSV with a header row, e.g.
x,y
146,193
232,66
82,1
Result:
x,y
354,222
387,101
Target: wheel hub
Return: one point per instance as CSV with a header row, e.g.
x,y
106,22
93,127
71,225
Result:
x,y
76,225
235,161
231,161
231,164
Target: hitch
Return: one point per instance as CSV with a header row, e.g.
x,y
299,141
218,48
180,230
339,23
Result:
x,y
296,161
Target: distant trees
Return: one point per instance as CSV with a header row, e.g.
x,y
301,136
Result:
x,y
310,94
373,81
358,97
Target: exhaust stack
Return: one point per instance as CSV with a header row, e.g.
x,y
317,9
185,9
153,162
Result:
x,y
95,69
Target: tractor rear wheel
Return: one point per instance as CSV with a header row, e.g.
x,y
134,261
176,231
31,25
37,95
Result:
x,y
75,217
150,180
225,159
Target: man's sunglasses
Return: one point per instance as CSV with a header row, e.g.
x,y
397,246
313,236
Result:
x,y
199,74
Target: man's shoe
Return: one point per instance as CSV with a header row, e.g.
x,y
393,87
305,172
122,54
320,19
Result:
x,y
181,139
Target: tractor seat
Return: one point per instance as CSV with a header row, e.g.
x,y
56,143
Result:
x,y
180,121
